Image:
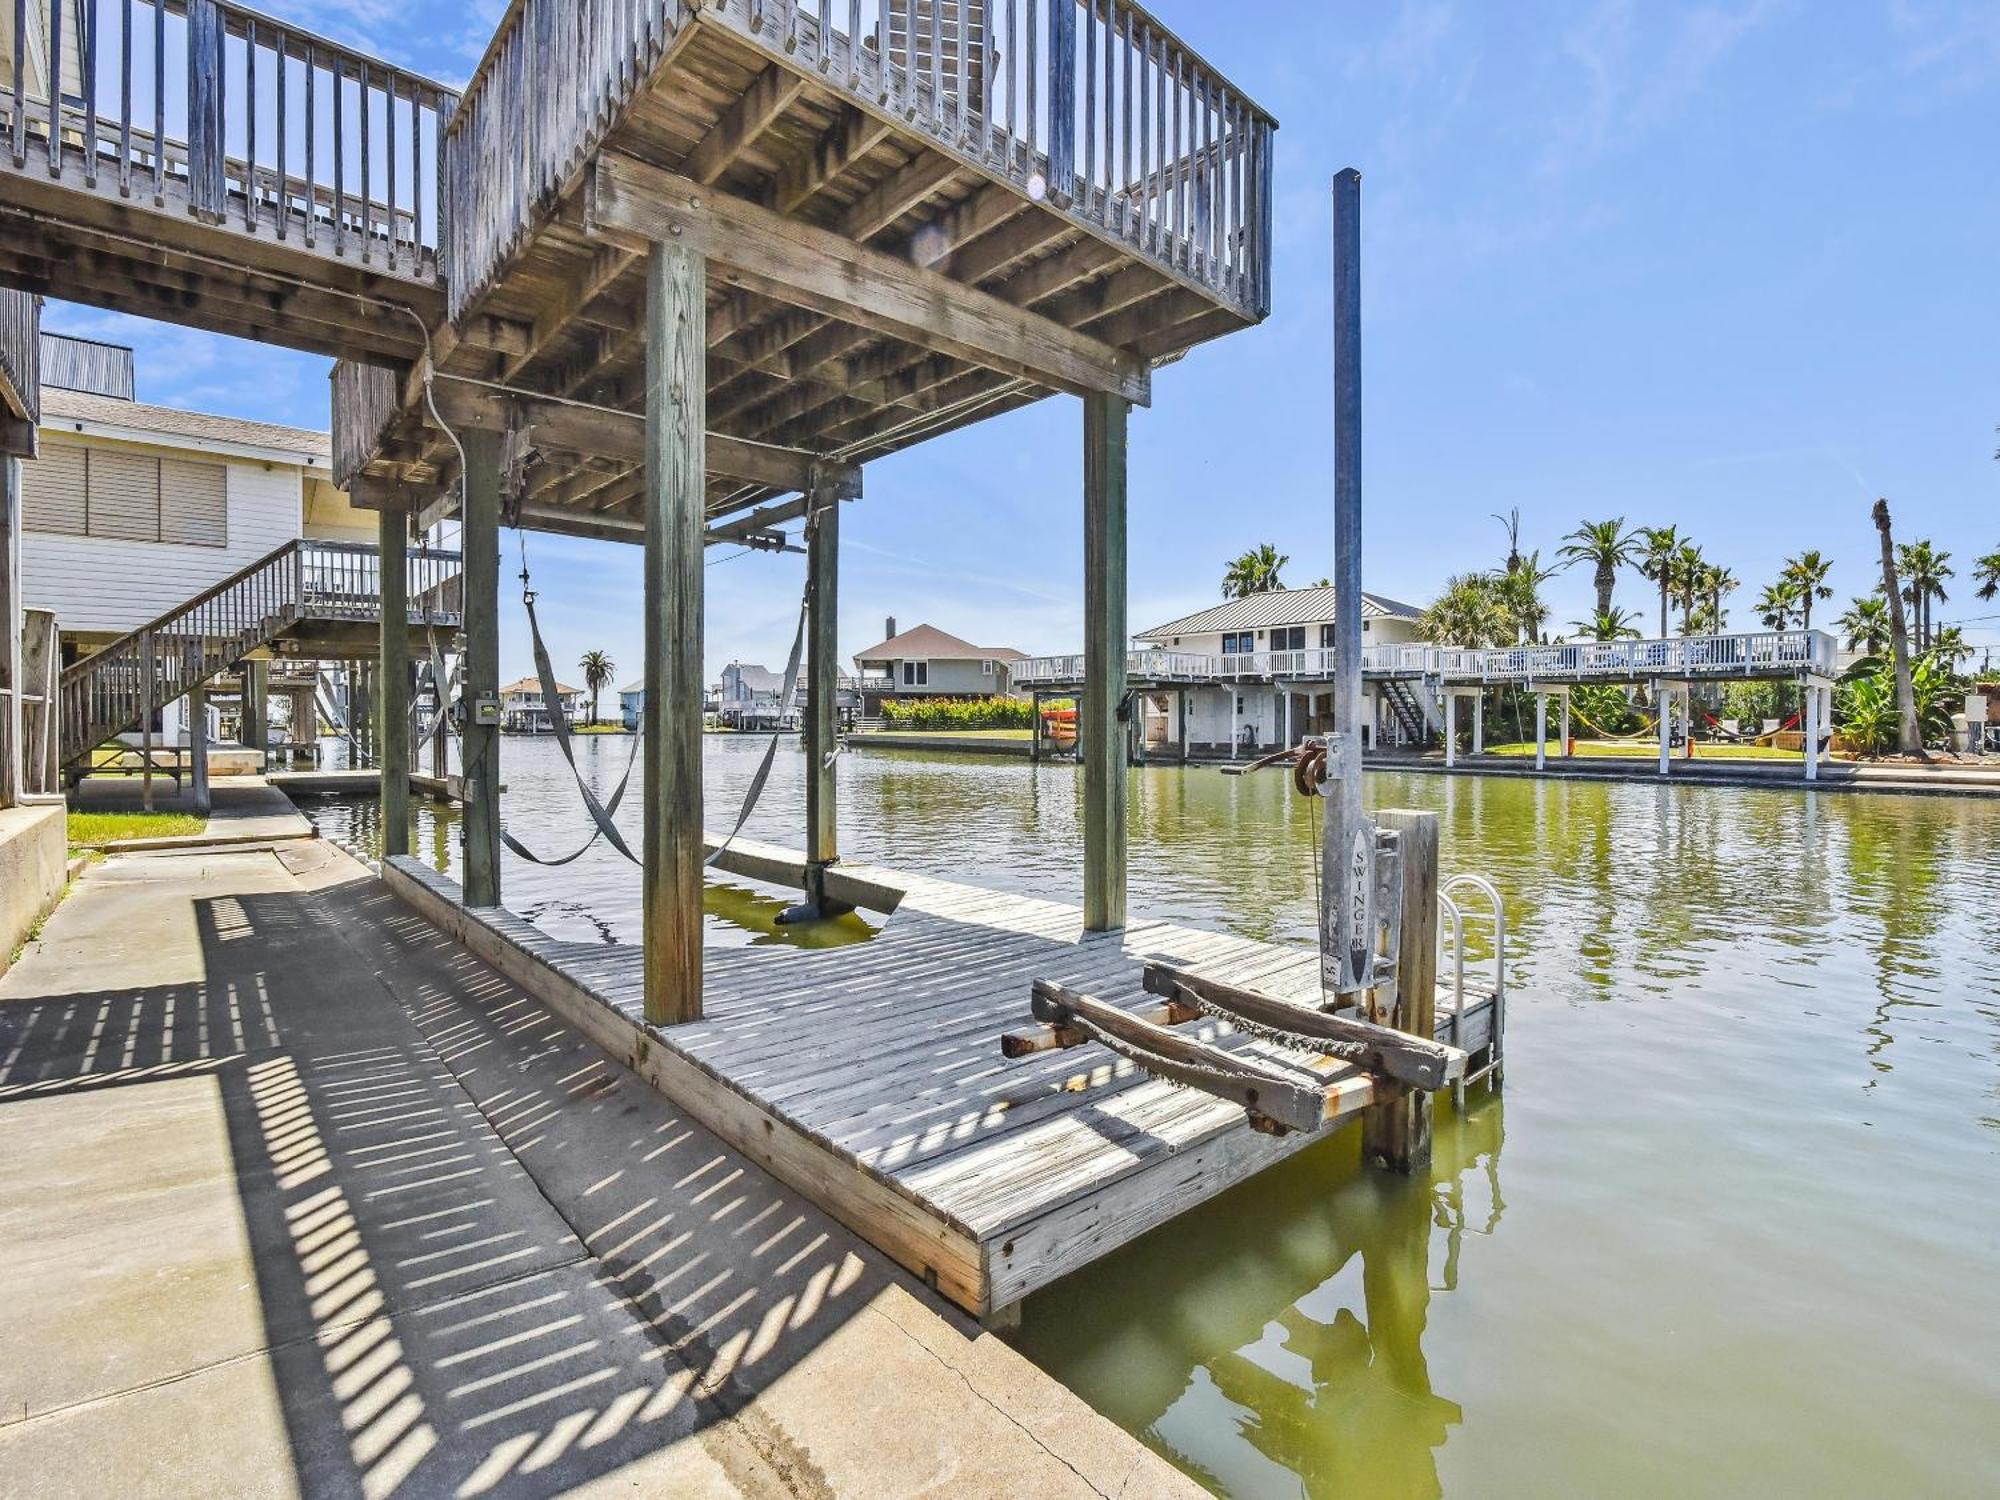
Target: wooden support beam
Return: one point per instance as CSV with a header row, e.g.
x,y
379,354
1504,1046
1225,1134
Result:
x,y
676,390
749,116
822,721
851,136
800,263
574,427
255,726
392,700
479,743
1104,640
1397,1132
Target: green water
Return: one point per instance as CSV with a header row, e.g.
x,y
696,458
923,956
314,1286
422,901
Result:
x,y
1734,1227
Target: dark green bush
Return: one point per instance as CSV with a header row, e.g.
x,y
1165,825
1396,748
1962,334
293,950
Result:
x,y
959,713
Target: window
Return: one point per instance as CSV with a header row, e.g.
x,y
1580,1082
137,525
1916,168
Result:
x,y
74,490
986,667
1238,643
916,674
1288,638
1326,638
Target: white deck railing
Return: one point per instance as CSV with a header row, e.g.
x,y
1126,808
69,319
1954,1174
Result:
x,y
1775,653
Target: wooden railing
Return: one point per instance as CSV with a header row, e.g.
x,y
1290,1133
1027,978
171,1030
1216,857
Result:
x,y
120,686
1779,653
1091,106
20,358
257,121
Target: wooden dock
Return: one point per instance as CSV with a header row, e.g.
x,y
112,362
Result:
x,y
870,1077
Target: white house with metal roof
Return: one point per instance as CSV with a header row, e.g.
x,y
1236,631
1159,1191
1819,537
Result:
x,y
1251,674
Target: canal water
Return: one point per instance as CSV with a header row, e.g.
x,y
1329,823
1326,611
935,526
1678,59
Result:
x,y
1733,1227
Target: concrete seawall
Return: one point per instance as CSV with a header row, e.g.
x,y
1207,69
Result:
x,y
34,867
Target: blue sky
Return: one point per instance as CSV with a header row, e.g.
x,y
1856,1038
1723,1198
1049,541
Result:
x,y
1726,266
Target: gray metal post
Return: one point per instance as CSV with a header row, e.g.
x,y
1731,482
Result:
x,y
392,697
1348,847
676,413
1104,753
1541,731
479,744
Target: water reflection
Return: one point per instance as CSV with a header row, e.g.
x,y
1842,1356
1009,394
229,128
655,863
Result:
x,y
1753,1143
1283,1324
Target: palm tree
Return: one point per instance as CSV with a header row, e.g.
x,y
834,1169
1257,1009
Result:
x,y
1924,571
1466,613
1951,645
1607,546
1519,590
1609,625
1909,736
1689,573
597,672
1658,547
1777,604
1255,572
1716,582
1986,573
1807,575
1865,626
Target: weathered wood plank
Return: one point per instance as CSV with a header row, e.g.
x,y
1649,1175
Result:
x,y
812,267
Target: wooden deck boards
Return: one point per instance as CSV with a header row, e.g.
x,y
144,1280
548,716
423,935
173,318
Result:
x,y
881,1064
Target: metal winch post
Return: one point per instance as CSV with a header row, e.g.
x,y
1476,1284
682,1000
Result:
x,y
1348,923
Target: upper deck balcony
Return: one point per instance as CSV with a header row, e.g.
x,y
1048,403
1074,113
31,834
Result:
x,y
916,214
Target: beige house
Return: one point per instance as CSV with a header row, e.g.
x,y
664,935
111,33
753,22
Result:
x,y
132,509
925,662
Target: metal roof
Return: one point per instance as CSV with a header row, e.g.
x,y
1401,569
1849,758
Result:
x,y
1277,607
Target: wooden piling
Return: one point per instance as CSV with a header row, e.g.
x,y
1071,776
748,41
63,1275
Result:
x,y
256,726
392,698
479,744
676,413
822,691
1397,1133
197,718
1104,635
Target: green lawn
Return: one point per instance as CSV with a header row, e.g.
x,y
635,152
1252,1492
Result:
x,y
1650,750
87,828
600,729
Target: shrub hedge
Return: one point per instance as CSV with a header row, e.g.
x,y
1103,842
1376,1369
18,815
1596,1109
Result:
x,y
959,713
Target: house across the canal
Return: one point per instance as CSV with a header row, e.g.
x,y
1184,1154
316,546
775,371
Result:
x,y
925,662
524,709
1241,705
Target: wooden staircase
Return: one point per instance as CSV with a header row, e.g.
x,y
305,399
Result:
x,y
301,585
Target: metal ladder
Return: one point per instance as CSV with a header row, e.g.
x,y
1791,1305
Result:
x,y
1474,898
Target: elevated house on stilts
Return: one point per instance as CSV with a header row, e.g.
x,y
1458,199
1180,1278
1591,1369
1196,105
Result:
x,y
672,272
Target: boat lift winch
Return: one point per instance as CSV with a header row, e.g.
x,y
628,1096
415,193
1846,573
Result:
x,y
1316,1060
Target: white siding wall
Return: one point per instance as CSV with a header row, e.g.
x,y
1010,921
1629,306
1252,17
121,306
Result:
x,y
1385,632
99,585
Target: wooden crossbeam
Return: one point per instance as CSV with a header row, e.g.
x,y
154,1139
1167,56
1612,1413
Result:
x,y
1413,1060
803,264
1277,1099
577,428
748,116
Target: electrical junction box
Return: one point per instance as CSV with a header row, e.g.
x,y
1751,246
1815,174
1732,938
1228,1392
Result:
x,y
486,711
